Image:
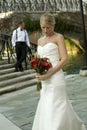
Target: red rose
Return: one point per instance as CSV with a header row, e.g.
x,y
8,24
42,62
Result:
x,y
41,65
45,64
34,63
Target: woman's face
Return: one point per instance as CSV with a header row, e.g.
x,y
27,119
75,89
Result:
x,y
47,29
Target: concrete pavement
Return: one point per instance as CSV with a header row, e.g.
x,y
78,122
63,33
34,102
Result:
x,y
20,106
6,124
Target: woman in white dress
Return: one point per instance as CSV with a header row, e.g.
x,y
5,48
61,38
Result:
x,y
54,111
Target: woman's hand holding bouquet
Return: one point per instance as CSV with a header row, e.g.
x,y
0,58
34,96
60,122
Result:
x,y
41,66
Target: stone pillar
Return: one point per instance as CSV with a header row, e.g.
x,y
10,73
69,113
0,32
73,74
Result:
x,y
86,9
83,71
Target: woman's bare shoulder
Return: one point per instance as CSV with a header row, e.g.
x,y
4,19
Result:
x,y
40,40
59,35
59,38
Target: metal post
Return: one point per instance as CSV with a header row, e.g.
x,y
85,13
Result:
x,y
8,52
83,29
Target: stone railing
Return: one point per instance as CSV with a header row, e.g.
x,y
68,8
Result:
x,y
8,51
40,5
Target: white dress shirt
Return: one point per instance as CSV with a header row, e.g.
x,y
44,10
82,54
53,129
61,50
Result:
x,y
19,36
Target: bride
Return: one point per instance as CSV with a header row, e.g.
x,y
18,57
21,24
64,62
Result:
x,y
54,111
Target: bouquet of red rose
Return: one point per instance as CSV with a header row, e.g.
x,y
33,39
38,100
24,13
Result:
x,y
40,65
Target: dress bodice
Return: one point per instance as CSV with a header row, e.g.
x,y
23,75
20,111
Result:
x,y
50,50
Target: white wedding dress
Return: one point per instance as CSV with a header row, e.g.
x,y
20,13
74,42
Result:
x,y
54,111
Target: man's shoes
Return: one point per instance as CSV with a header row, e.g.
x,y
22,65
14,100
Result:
x,y
21,69
16,70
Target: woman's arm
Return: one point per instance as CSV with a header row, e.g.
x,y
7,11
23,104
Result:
x,y
63,55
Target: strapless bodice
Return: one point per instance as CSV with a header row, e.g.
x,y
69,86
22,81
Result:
x,y
50,50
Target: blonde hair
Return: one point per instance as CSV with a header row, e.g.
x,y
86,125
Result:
x,y
48,18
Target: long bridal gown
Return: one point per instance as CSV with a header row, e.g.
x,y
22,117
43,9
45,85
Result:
x,y
54,110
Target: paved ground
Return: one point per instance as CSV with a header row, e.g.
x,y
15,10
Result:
x,y
6,124
20,106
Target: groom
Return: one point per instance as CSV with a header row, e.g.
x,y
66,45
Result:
x,y
20,40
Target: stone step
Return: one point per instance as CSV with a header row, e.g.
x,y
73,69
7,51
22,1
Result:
x,y
17,80
6,66
6,71
15,74
12,81
17,86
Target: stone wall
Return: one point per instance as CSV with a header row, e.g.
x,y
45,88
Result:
x,y
10,22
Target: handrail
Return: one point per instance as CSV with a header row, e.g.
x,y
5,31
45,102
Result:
x,y
5,42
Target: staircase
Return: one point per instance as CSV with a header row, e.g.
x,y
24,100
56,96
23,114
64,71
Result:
x,y
13,81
